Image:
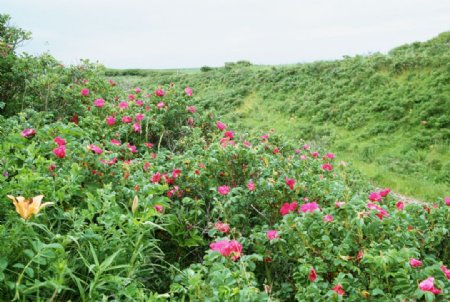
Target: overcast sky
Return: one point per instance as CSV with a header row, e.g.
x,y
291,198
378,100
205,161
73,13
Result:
x,y
184,33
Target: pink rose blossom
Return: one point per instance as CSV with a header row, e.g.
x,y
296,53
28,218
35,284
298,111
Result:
x,y
380,211
251,186
60,151
264,136
222,227
223,190
115,142
309,207
338,289
60,141
375,196
84,92
315,154
306,146
148,145
139,103
110,120
427,285
158,208
447,201
446,271
29,132
132,148
272,234
312,275
139,117
415,262
95,149
137,127
227,248
123,105
188,91
290,182
156,178
99,103
400,205
160,92
385,192
127,119
160,105
288,208
303,157
229,134
137,90
328,218
192,109
339,204
221,126
247,144
327,167
330,155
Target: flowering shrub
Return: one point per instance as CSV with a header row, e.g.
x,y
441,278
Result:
x,y
153,199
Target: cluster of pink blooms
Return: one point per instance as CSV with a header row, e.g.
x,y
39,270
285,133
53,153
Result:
x,y
222,227
60,151
227,248
29,132
378,195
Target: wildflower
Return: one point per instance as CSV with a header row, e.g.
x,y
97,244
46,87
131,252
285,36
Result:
x,y
139,117
160,92
95,149
29,132
247,144
222,227
123,105
188,91
148,145
110,120
60,151
306,146
288,208
380,211
60,141
115,142
221,126
385,192
251,186
264,136
176,173
160,105
445,271
312,275
309,207
272,234
303,157
137,127
223,190
328,218
415,262
227,248
276,151
127,119
84,92
339,290
192,109
132,148
339,204
139,103
99,103
375,196
229,134
447,201
330,155
427,285
156,178
137,90
28,207
400,205
290,182
315,154
158,208
327,167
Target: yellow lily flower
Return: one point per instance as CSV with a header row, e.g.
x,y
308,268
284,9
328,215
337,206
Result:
x,y
28,207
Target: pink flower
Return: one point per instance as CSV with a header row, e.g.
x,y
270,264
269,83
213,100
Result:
x,y
221,126
315,154
227,248
427,285
338,289
139,103
110,120
447,201
156,178
264,136
188,91
330,155
137,90
287,208
303,157
192,109
222,227
223,190
123,105
309,207
29,132
290,182
415,262
84,92
328,218
380,211
445,271
251,186
272,234
339,204
146,166
132,148
176,173
306,146
276,151
160,105
99,103
60,151
158,208
127,119
131,97
375,196
247,144
59,141
160,92
400,205
109,162
148,145
385,192
312,275
95,149
327,167
137,127
139,117
229,134
115,142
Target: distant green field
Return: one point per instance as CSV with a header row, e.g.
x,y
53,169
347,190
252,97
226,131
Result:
x,y
388,115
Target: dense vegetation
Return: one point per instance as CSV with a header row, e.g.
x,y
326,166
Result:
x,y
143,194
387,114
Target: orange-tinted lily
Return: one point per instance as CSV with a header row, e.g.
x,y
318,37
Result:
x,y
28,207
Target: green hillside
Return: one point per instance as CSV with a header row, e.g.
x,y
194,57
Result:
x,y
387,114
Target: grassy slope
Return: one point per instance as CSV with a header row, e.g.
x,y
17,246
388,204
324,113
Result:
x,y
389,115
